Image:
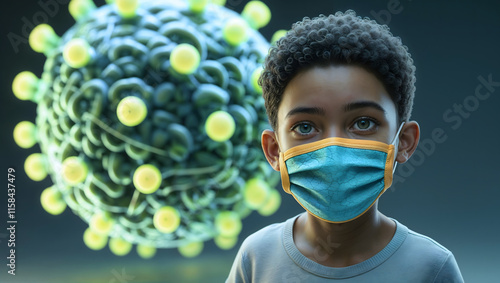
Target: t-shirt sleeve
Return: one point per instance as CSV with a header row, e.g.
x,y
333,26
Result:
x,y
238,273
449,272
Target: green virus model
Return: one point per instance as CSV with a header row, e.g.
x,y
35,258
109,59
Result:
x,y
149,118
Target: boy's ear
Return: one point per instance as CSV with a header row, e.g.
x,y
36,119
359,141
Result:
x,y
408,141
271,148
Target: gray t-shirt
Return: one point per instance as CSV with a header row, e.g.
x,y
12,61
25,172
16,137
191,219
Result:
x,y
270,255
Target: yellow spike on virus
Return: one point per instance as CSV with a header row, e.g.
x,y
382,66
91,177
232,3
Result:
x,y
79,9
127,8
101,223
93,240
148,117
256,193
271,205
52,201
257,14
197,6
77,53
218,2
166,219
25,134
192,249
235,31
185,58
74,170
147,179
220,126
35,167
277,35
146,251
225,243
43,39
119,246
131,111
255,79
228,223
25,85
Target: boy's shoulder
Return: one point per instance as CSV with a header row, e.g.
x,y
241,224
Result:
x,y
426,241
421,244
424,255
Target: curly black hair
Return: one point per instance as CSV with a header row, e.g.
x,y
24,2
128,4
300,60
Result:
x,y
343,38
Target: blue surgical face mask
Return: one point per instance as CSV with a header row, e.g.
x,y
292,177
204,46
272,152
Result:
x,y
337,179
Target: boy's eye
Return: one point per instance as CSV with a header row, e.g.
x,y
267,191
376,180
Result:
x,y
365,124
303,129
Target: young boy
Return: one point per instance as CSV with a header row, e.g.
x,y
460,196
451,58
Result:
x,y
339,92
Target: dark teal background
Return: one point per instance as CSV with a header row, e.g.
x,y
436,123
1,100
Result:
x,y
450,191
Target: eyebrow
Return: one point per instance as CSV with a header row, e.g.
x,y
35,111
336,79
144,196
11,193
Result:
x,y
348,107
363,104
306,110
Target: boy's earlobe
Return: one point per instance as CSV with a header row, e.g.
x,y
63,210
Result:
x,y
271,148
408,141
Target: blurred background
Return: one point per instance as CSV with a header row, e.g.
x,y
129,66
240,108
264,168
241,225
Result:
x,y
450,190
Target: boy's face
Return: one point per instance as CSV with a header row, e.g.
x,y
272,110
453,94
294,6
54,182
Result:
x,y
342,101
335,101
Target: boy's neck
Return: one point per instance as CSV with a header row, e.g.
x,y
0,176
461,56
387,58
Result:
x,y
346,244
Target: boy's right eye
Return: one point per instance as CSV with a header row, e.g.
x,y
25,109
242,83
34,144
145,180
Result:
x,y
304,129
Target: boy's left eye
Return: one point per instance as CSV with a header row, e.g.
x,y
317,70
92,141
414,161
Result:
x,y
364,124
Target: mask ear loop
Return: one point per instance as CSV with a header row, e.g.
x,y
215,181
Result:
x,y
394,143
285,180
